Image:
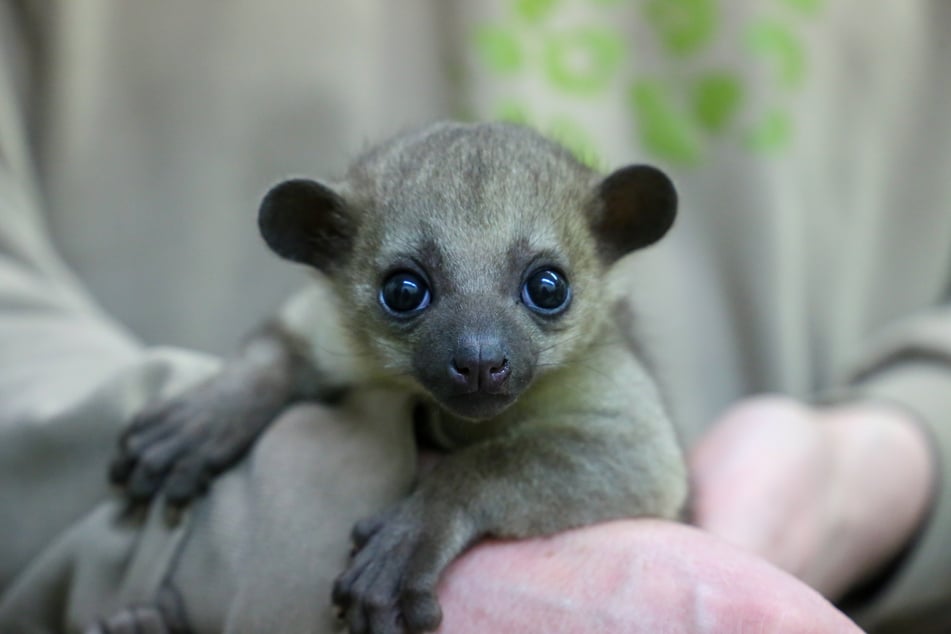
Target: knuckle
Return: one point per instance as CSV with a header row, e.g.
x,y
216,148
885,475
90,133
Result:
x,y
150,416
376,602
150,465
363,529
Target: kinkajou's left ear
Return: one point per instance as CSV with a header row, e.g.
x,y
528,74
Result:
x,y
635,207
307,222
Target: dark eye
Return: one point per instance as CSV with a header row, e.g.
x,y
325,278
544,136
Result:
x,y
546,291
404,292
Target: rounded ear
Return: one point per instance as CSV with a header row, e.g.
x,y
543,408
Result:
x,y
638,204
307,222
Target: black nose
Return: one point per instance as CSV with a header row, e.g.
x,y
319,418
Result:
x,y
480,365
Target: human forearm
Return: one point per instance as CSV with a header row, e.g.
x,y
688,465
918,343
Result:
x,y
628,576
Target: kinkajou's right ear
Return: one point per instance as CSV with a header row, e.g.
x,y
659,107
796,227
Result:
x,y
638,204
307,222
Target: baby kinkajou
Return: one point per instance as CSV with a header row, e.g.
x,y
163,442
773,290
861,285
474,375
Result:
x,y
465,263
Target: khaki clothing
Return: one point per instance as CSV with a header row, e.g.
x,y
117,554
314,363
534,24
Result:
x,y
809,141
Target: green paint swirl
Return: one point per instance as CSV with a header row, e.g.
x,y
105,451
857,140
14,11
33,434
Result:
x,y
582,61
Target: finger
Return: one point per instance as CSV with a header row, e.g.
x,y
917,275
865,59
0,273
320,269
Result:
x,y
420,609
135,440
364,530
384,617
188,479
153,465
362,595
343,589
157,412
149,621
121,623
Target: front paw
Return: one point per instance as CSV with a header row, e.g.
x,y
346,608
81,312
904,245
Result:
x,y
390,586
176,446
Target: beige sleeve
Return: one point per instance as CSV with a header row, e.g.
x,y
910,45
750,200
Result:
x,y
910,365
70,380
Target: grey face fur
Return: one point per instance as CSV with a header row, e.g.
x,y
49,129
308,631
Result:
x,y
471,212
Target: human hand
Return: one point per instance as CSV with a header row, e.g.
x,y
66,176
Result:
x,y
828,494
632,576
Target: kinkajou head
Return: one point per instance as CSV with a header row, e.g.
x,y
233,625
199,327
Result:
x,y
470,259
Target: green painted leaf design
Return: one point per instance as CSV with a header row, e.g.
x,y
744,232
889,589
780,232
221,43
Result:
x,y
499,48
582,61
662,129
808,7
534,10
716,99
772,133
684,26
774,41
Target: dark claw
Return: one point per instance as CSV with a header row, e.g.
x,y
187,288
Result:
x,y
120,469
